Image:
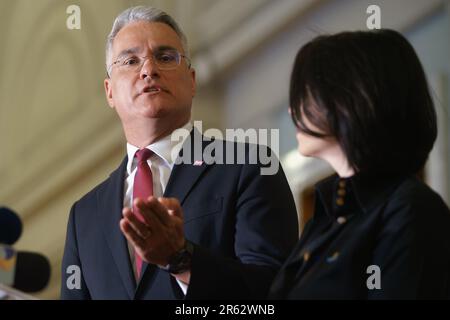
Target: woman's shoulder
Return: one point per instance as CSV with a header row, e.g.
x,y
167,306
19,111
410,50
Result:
x,y
413,199
413,190
416,212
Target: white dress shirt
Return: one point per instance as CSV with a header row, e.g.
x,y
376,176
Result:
x,y
161,165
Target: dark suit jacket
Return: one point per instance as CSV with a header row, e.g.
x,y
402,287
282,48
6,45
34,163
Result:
x,y
244,225
398,224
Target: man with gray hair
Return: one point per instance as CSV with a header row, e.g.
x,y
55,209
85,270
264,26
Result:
x,y
158,229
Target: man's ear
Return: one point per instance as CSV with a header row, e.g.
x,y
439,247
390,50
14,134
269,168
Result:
x,y
108,92
194,84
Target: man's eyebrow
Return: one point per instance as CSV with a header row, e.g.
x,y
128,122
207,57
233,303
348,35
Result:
x,y
136,50
129,51
165,47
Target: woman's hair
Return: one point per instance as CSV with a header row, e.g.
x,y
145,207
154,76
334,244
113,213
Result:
x,y
367,90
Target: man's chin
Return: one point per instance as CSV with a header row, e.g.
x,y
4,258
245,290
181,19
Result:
x,y
153,111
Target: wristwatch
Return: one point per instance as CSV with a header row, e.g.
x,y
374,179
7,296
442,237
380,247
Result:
x,y
180,261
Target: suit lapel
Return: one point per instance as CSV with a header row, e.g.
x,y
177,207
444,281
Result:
x,y
111,204
300,262
185,175
183,179
311,249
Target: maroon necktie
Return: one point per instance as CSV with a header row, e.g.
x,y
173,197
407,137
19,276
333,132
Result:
x,y
142,188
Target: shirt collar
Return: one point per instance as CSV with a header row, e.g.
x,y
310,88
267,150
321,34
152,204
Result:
x,y
163,148
367,191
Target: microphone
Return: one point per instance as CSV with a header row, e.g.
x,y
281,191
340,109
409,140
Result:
x,y
32,272
10,226
25,271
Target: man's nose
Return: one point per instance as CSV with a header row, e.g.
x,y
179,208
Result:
x,y
149,69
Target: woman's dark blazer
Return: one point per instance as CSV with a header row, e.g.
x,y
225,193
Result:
x,y
388,239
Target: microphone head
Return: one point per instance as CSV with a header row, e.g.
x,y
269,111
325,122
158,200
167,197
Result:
x,y
32,272
10,226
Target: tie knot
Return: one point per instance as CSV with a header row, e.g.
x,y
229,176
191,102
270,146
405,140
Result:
x,y
143,154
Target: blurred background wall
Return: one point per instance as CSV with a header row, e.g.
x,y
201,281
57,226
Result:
x,y
59,138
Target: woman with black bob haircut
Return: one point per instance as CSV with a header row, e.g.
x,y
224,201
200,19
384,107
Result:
x,y
360,101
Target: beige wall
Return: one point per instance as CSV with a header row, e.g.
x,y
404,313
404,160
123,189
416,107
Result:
x,y
57,135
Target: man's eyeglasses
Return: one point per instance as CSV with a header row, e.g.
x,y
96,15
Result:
x,y
163,59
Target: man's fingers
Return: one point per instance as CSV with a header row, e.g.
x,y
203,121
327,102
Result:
x,y
130,234
173,205
153,209
140,228
146,211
